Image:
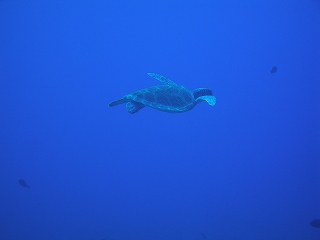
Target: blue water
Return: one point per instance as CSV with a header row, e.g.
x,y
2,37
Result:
x,y
245,169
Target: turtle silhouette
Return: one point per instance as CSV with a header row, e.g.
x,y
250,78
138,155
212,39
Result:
x,y
168,97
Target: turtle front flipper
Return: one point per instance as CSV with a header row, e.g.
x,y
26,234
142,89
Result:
x,y
162,79
133,106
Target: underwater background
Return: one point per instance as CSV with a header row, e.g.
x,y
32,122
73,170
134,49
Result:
x,y
245,169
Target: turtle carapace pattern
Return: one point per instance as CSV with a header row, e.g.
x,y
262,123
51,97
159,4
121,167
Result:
x,y
168,97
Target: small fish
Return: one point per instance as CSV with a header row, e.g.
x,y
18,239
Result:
x,y
23,183
315,223
273,69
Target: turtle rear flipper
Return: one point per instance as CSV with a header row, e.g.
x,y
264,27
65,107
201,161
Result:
x,y
120,101
133,107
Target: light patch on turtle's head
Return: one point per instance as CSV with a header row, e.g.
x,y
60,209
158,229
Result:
x,y
204,94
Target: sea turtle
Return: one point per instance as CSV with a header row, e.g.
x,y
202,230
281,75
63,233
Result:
x,y
169,97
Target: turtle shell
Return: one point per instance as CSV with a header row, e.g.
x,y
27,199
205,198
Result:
x,y
168,98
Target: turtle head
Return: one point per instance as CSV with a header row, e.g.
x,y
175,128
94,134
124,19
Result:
x,y
204,94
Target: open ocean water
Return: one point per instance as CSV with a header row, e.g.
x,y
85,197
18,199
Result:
x,y
73,168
